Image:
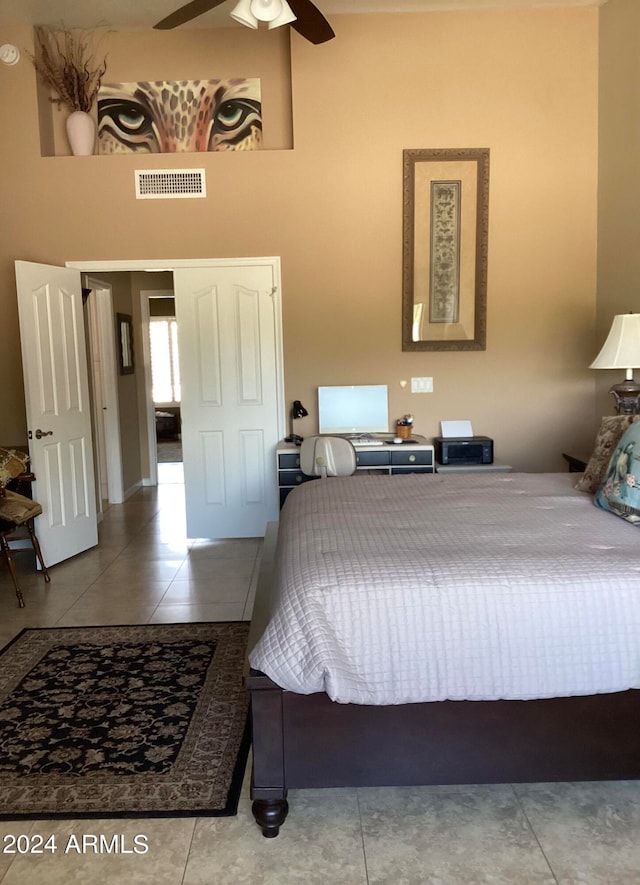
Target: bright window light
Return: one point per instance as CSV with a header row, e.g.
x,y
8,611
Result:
x,y
165,369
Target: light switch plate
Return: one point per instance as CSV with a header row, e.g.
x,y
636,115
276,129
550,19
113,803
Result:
x,y
422,385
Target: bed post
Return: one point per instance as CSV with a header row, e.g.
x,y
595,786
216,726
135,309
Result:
x,y
268,790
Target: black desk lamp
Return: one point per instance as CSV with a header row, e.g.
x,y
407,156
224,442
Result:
x,y
297,411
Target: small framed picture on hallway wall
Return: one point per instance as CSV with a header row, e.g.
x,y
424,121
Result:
x,y
124,333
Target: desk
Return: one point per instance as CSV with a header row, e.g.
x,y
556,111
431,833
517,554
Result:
x,y
389,459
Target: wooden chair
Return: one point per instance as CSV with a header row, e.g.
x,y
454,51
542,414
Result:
x,y
18,512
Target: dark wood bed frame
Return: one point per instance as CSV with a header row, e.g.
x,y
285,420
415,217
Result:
x,y
309,741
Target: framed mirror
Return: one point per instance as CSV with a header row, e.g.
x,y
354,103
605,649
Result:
x,y
445,247
124,329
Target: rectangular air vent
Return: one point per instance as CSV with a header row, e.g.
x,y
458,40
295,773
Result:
x,y
158,184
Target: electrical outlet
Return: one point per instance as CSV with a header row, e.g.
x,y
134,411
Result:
x,y
422,385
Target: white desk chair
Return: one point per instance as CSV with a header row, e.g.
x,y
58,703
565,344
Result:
x,y
327,456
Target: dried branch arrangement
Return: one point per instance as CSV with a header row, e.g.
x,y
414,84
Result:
x,y
67,62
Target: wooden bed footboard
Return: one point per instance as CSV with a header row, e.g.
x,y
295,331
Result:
x,y
309,741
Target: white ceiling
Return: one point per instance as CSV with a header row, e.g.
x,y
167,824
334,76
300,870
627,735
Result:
x,y
143,14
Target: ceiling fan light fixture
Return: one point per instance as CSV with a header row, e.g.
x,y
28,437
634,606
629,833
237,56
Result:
x,y
303,16
266,10
242,13
285,17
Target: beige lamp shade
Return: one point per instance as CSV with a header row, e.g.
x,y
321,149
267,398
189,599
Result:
x,y
621,350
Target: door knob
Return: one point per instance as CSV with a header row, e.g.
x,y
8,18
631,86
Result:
x,y
41,433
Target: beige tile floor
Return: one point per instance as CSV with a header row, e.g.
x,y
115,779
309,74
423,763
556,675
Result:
x,y
145,570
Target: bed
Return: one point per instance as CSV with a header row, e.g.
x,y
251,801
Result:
x,y
443,629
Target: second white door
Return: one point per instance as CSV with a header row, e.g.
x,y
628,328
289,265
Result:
x,y
228,340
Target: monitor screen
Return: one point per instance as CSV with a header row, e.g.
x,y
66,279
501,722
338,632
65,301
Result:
x,y
356,409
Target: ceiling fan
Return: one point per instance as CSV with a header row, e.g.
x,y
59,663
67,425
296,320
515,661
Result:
x,y
303,15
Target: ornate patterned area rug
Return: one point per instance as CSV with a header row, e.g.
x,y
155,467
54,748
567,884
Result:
x,y
147,720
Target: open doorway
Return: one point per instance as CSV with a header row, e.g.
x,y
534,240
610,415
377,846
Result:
x,y
166,392
163,389
232,415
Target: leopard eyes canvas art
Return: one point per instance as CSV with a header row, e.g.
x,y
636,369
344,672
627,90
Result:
x,y
176,117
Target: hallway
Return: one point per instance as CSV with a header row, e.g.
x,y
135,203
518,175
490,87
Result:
x,y
144,570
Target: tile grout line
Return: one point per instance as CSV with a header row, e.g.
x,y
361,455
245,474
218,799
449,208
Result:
x,y
533,830
362,839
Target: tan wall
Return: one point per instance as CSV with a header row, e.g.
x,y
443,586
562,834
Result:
x,y
523,83
127,386
619,181
162,307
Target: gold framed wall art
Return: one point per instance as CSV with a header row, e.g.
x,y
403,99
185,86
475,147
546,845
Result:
x,y
445,248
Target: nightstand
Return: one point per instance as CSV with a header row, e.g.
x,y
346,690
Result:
x,y
576,465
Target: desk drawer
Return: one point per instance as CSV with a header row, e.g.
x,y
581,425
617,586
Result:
x,y
289,460
292,477
283,494
410,458
396,471
372,459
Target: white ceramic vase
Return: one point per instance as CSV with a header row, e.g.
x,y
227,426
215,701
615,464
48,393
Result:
x,y
81,132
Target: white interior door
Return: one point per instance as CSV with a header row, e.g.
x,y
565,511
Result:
x,y
54,361
109,378
106,406
228,341
97,401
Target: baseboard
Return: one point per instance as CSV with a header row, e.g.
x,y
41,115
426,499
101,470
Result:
x,y
132,490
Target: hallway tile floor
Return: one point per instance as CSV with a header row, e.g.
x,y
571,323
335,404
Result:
x,y
145,570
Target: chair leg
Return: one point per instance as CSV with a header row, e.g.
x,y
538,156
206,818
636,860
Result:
x,y
38,551
6,549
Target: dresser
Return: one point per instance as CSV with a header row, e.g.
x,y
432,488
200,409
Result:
x,y
389,458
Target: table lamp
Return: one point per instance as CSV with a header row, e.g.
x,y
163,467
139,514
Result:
x,y
297,411
621,350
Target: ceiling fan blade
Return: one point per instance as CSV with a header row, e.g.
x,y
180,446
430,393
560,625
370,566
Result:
x,y
310,22
186,13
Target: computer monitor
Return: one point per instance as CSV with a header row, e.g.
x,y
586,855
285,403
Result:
x,y
353,410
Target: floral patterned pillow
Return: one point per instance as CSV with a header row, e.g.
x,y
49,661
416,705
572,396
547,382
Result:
x,y
620,489
12,464
611,429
